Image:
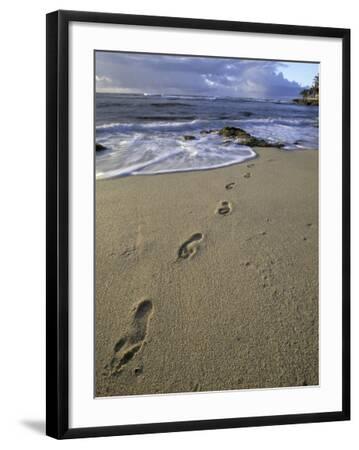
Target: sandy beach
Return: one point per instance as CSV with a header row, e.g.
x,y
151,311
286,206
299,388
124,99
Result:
x,y
208,280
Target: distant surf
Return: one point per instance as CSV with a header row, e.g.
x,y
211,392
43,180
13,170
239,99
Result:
x,y
144,134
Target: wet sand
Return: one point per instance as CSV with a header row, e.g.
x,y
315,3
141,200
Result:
x,y
208,281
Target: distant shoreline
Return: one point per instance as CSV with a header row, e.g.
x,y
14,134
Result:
x,y
288,100
306,101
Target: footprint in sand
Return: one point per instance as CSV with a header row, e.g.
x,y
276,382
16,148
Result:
x,y
247,175
250,165
225,208
132,342
190,247
230,186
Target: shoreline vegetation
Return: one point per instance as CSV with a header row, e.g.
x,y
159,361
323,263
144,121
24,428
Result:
x,y
201,274
310,96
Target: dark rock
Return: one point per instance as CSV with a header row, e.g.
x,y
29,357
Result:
x,y
100,147
245,138
208,131
254,142
306,101
188,137
233,132
242,137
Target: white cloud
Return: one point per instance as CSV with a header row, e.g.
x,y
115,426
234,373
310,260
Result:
x,y
164,74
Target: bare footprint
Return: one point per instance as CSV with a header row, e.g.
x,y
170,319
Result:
x,y
225,208
230,186
132,342
247,175
250,165
190,247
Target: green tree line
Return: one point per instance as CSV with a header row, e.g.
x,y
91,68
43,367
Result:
x,y
313,91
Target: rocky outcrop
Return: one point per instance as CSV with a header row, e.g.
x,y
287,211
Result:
x,y
208,131
100,147
244,138
309,101
189,137
233,132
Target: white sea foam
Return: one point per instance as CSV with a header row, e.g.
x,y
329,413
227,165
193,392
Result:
x,y
146,136
141,156
151,126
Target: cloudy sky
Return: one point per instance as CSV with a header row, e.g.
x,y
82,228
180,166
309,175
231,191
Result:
x,y
183,75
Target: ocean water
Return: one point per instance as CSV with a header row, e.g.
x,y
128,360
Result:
x,y
143,134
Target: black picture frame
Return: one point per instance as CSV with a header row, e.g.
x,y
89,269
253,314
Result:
x,y
57,217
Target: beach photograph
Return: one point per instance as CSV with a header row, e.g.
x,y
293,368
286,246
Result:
x,y
206,224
